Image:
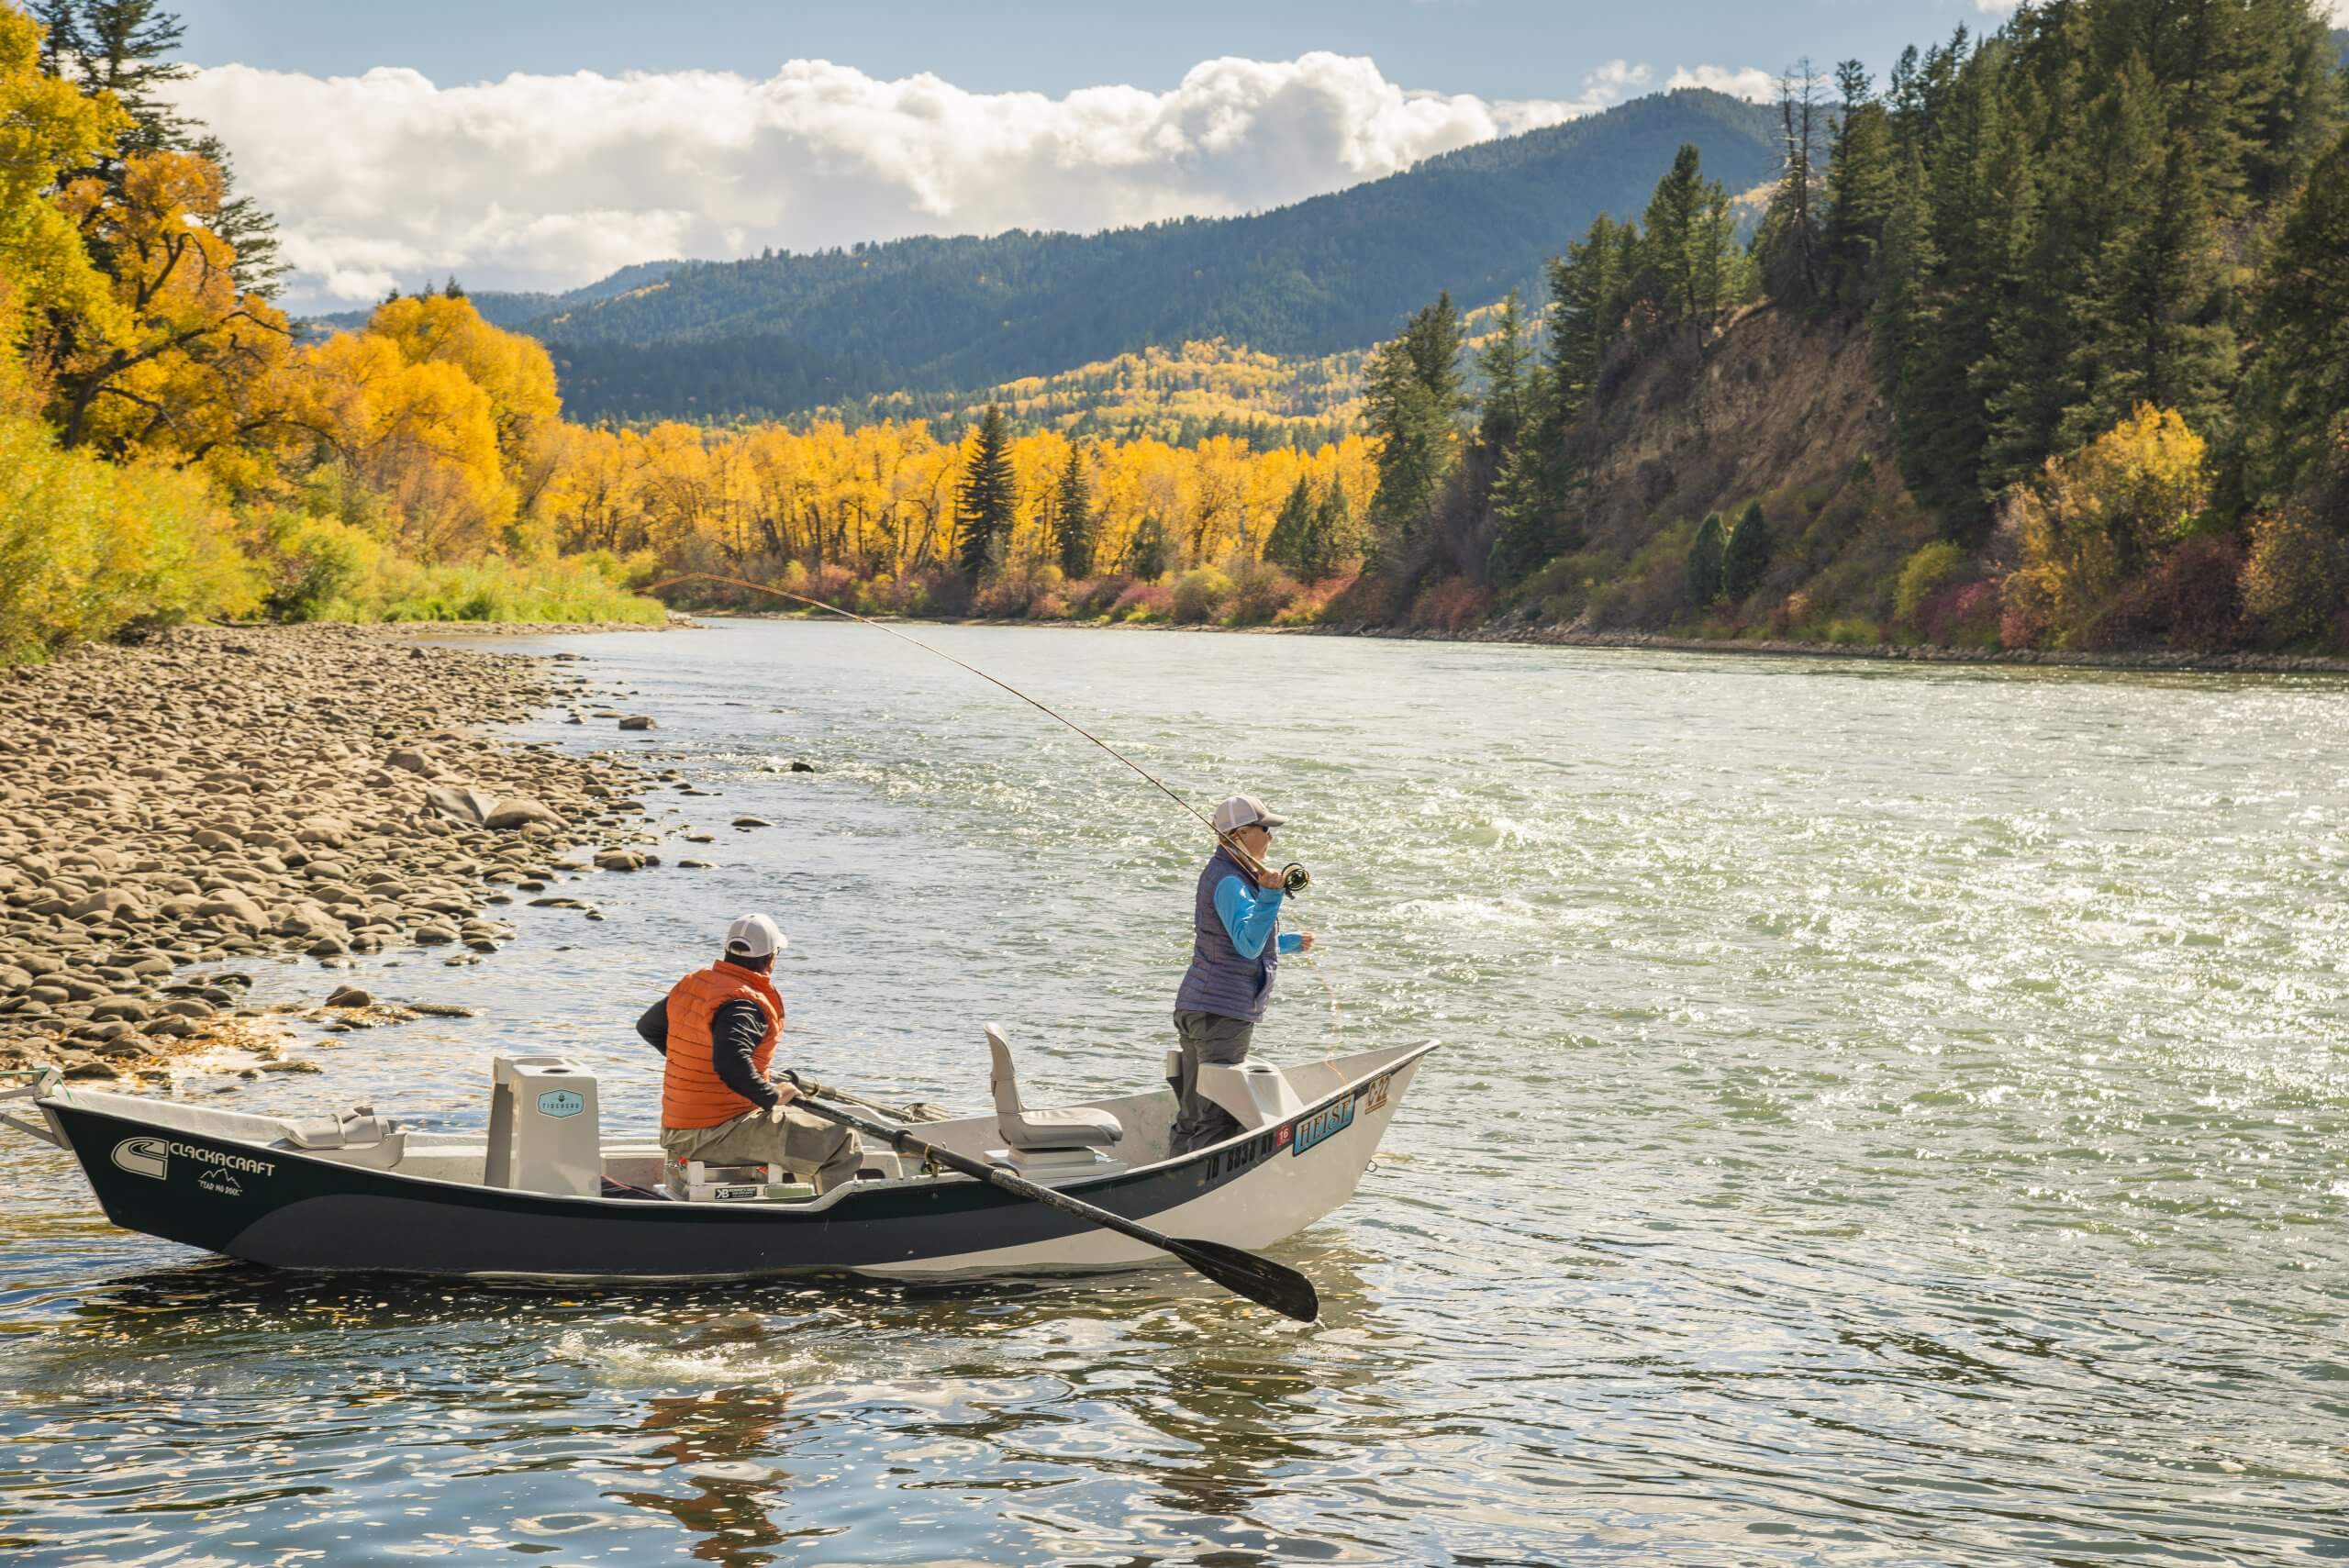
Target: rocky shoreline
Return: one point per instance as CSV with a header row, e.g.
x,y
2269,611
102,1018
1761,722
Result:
x,y
172,809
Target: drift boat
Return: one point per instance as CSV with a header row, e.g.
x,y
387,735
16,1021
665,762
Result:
x,y
541,1197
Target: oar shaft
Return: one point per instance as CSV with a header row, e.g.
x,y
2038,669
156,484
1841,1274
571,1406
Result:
x,y
907,1143
1260,1280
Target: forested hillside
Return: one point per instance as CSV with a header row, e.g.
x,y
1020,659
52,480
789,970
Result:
x,y
775,335
2044,344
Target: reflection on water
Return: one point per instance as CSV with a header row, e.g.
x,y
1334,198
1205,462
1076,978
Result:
x,y
1886,1117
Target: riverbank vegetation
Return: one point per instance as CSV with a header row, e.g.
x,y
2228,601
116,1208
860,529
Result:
x,y
1961,386
2097,261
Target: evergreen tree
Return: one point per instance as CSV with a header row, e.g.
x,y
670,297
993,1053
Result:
x,y
1674,231
1290,539
1791,245
1330,539
2296,385
1747,556
986,499
1860,176
1074,526
1504,361
1413,398
1147,552
1705,553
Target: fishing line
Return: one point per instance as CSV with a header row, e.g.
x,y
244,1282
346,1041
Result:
x,y
1294,877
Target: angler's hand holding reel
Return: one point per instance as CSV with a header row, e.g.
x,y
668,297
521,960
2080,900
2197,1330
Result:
x,y
1294,878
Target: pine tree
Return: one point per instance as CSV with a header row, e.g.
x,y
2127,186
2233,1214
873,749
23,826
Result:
x,y
1331,538
1073,527
1503,361
1413,406
1705,553
1747,556
2296,385
1290,539
1674,231
1147,552
986,499
1860,175
1790,245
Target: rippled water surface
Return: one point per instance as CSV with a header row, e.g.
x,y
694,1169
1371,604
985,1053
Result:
x,y
1886,1117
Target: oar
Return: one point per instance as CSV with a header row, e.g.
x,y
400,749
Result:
x,y
1259,1279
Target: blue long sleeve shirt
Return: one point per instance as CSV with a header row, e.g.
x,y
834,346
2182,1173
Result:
x,y
1248,914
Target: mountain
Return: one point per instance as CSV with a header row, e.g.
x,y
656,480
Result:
x,y
778,335
518,309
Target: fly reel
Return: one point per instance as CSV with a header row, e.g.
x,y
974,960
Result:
x,y
1294,878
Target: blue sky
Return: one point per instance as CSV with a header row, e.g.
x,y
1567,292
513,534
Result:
x,y
536,145
1494,47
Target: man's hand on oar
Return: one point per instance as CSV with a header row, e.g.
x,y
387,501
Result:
x,y
1260,1280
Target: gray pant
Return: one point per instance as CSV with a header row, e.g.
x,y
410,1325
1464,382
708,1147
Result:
x,y
1209,1038
810,1147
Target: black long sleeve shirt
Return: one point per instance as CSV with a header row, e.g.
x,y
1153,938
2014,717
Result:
x,y
735,1032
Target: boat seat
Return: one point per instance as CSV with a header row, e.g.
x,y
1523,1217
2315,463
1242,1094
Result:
x,y
357,1137
1023,1128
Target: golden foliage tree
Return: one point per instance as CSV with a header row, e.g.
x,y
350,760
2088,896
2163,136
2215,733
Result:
x,y
166,371
2106,515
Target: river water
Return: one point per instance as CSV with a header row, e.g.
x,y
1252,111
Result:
x,y
1885,1115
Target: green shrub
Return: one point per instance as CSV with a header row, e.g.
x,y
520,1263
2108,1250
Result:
x,y
1923,576
1202,594
88,549
1845,633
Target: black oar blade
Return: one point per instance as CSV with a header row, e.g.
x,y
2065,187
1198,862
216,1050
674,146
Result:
x,y
1260,1280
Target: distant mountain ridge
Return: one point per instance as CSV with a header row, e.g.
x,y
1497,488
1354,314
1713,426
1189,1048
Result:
x,y
514,309
773,335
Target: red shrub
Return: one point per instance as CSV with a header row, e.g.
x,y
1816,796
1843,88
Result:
x,y
1092,596
1453,605
1144,601
1260,593
1963,616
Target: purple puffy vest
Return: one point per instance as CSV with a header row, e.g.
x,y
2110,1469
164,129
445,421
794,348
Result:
x,y
1220,980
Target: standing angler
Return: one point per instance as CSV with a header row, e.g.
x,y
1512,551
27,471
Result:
x,y
717,1027
1236,948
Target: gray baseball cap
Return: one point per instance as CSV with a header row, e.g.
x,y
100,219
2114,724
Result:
x,y
1245,811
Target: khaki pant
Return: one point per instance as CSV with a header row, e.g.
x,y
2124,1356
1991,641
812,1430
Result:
x,y
811,1148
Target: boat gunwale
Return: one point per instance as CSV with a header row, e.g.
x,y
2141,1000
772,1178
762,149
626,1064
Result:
x,y
821,1209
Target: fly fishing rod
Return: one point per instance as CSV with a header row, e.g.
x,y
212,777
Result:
x,y
1294,877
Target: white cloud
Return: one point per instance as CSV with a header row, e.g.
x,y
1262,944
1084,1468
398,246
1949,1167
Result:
x,y
549,181
1751,82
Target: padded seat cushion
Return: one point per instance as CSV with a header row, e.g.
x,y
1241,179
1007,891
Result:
x,y
1078,1127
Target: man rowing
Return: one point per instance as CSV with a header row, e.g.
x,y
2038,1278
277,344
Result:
x,y
717,1027
1236,948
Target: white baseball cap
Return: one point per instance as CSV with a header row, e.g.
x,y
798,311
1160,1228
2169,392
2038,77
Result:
x,y
754,936
1245,811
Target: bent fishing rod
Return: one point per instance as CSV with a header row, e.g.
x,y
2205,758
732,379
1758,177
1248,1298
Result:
x,y
1294,877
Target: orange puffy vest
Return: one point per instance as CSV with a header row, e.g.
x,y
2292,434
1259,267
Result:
x,y
692,1094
